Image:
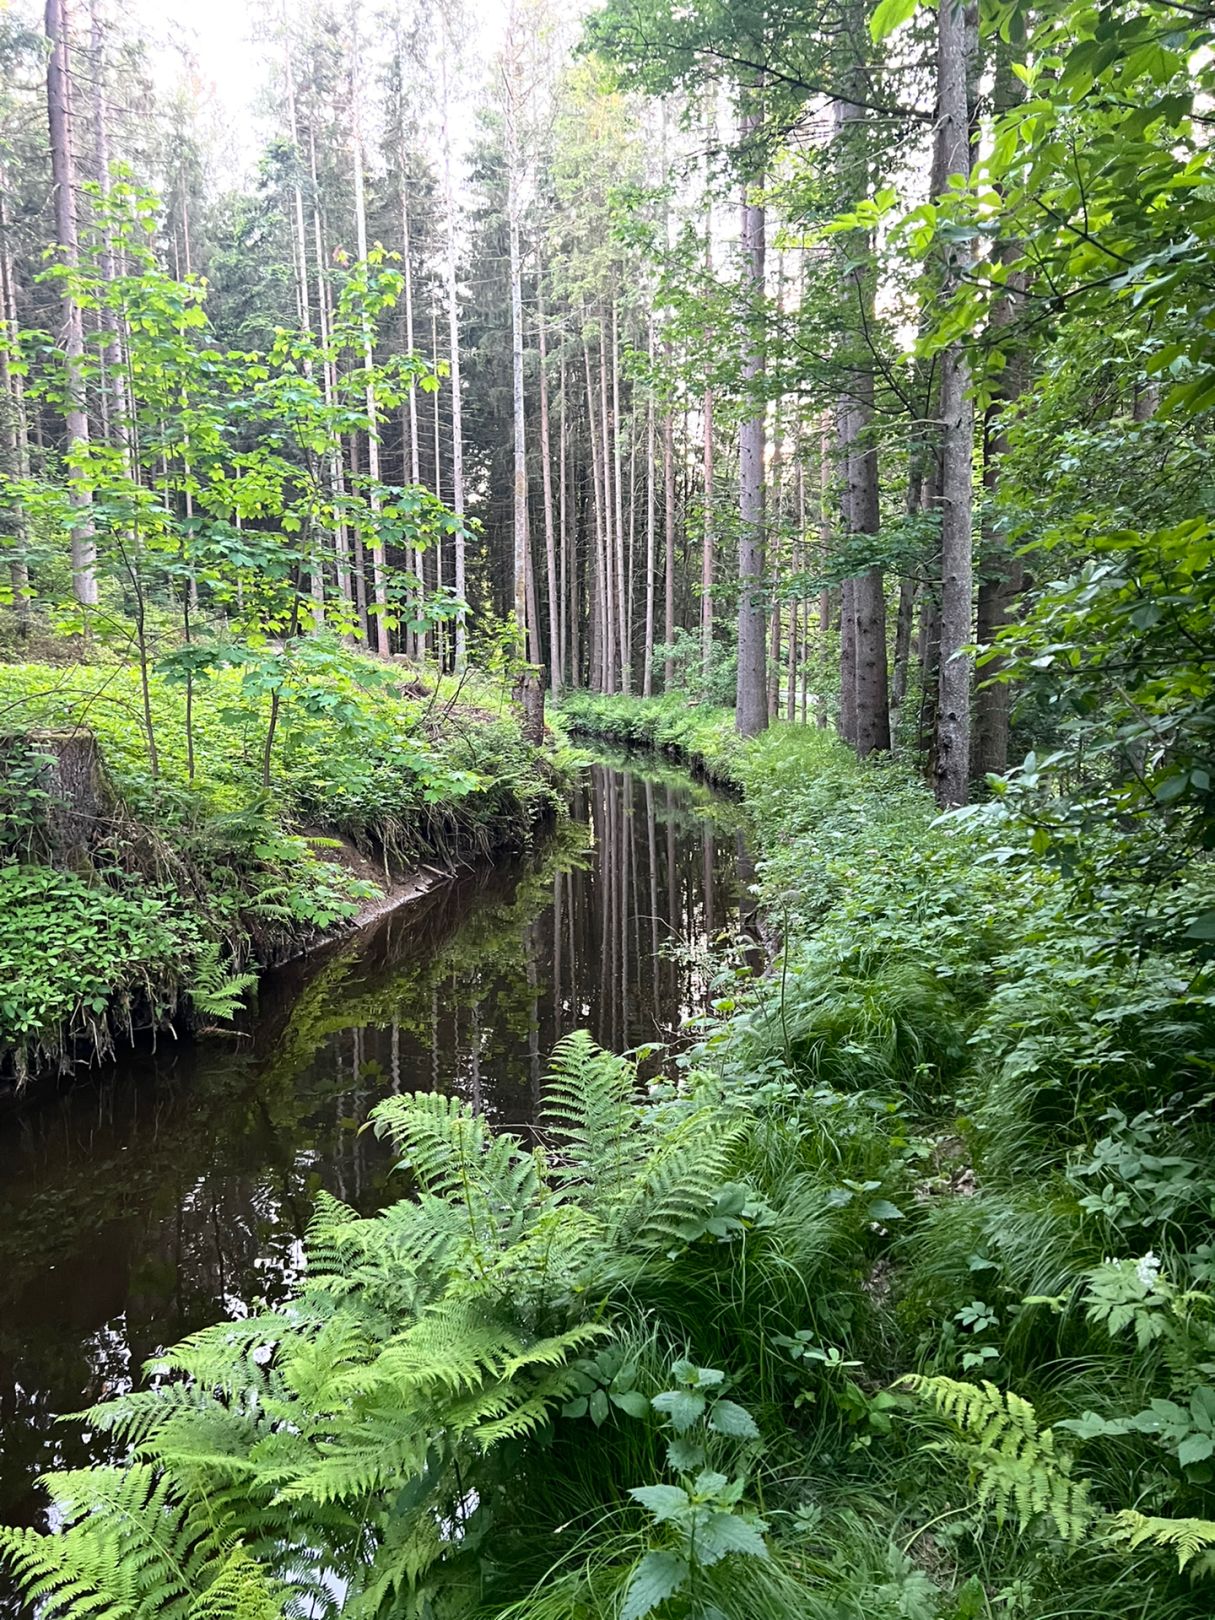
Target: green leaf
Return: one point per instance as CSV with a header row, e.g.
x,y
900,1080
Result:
x,y
685,1455
657,1577
682,1406
662,1501
632,1402
1195,1448
889,15
599,1407
723,1533
1092,1427
727,1417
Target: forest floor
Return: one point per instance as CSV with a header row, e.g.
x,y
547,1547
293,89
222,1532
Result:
x,y
133,890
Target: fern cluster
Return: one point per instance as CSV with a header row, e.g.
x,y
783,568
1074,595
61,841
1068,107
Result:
x,y
338,1452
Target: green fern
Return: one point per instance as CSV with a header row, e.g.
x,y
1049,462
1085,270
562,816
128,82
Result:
x,y
1016,1464
1193,1540
215,990
130,1548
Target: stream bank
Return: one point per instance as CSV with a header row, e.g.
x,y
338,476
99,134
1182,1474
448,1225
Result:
x,y
144,890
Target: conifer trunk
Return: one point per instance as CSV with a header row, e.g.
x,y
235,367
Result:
x,y
457,402
647,673
550,537
957,437
75,409
378,560
751,701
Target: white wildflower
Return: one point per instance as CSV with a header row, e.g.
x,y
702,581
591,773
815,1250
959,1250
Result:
x,y
1147,1270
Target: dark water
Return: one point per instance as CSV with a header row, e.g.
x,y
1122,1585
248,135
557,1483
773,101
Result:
x,y
148,1201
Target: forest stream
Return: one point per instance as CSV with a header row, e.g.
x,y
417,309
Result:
x,y
173,1188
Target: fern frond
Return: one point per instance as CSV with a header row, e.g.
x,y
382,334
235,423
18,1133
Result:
x,y
1016,1464
677,1183
1193,1540
490,1179
130,1549
242,1590
589,1110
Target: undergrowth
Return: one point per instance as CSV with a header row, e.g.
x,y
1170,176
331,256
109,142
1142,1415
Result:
x,y
181,877
894,1305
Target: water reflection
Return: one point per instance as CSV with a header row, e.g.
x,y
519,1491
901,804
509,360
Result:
x,y
175,1190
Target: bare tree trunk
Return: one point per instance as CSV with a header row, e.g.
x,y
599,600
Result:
x,y
902,644
1001,572
774,549
75,411
707,560
647,676
513,167
410,454
751,706
113,392
847,717
609,539
435,358
550,538
299,262
622,611
668,488
957,441
863,626
14,441
564,616
333,457
599,594
457,403
378,561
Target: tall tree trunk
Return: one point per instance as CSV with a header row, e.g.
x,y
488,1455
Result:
x,y
1001,571
622,611
609,514
864,614
751,701
457,403
75,411
550,537
847,717
333,456
647,674
410,454
299,261
14,440
707,559
513,176
564,615
775,560
598,473
957,434
379,573
668,498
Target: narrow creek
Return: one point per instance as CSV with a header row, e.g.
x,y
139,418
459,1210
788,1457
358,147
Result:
x,y
173,1189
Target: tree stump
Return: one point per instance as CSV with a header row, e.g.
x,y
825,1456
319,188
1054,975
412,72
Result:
x,y
68,771
528,697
